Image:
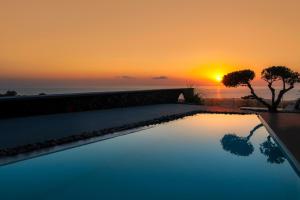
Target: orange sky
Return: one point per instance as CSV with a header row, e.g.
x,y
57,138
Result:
x,y
184,41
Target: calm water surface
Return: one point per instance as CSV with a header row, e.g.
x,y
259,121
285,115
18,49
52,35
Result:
x,y
206,156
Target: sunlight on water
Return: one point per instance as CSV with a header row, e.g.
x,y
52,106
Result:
x,y
206,156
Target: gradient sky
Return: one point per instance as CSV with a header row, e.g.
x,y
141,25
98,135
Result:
x,y
144,41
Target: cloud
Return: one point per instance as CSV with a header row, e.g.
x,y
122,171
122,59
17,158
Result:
x,y
160,77
127,77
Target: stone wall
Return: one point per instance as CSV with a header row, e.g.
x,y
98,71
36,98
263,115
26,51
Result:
x,y
50,104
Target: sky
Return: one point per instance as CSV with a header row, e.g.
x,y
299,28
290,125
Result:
x,y
144,42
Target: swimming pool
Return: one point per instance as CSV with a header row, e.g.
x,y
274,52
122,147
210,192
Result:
x,y
205,156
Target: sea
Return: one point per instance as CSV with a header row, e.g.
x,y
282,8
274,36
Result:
x,y
204,91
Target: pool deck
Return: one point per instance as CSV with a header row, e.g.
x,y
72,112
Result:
x,y
285,127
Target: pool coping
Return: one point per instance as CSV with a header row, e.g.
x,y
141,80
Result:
x,y
289,156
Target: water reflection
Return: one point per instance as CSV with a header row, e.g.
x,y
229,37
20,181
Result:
x,y
242,146
270,149
237,145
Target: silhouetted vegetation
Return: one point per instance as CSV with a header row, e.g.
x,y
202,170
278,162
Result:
x,y
12,93
271,74
9,93
195,99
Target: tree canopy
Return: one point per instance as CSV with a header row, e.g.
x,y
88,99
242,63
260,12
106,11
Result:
x,y
238,78
276,73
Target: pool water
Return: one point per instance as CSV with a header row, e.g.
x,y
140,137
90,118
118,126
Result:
x,y
205,156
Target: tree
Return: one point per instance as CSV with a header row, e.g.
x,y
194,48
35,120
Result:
x,y
9,93
271,74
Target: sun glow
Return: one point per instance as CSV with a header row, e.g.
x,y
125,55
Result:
x,y
218,77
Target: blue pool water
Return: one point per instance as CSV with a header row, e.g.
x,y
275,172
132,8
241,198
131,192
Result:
x,y
206,156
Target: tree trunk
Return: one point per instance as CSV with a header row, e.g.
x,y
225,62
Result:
x,y
278,100
273,108
258,98
272,92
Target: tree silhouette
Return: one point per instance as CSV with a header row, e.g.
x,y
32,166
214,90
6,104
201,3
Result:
x,y
270,149
271,74
9,93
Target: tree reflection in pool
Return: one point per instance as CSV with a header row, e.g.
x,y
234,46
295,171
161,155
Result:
x,y
242,146
270,149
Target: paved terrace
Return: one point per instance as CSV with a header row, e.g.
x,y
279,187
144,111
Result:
x,y
286,129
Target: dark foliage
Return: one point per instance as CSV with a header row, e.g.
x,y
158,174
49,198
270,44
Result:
x,y
238,78
9,93
271,74
276,73
195,99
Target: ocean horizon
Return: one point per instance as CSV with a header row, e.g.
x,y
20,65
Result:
x,y
204,91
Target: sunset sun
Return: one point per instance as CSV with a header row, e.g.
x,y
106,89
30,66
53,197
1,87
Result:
x,y
218,78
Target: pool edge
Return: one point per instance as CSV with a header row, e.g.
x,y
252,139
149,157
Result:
x,y
290,157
